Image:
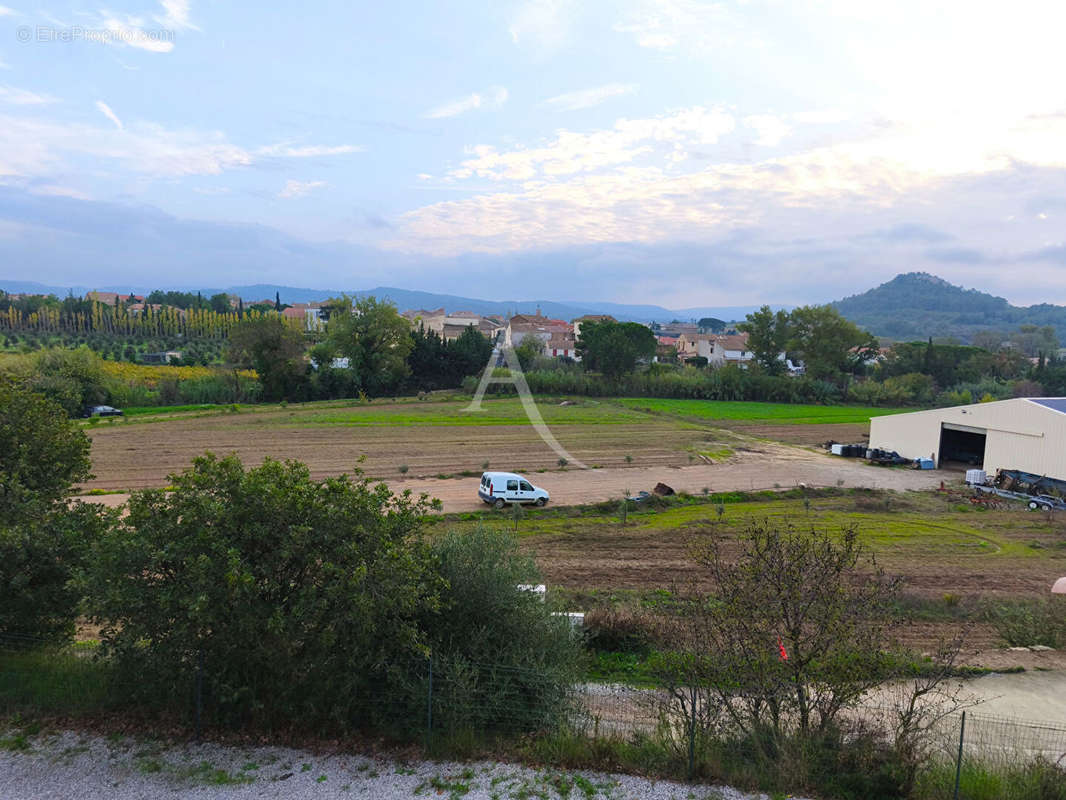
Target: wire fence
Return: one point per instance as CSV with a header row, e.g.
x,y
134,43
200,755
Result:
x,y
442,700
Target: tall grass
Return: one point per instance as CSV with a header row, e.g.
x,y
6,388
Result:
x,y
64,681
991,780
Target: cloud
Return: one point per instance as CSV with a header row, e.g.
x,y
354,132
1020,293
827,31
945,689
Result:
x,y
175,15
542,24
824,117
300,188
587,98
35,148
156,35
308,151
494,98
6,12
770,130
570,153
105,109
55,190
23,97
693,25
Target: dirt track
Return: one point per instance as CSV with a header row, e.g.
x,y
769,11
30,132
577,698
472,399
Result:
x,y
765,466
769,467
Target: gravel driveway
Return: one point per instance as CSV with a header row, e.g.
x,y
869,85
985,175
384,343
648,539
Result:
x,y
73,765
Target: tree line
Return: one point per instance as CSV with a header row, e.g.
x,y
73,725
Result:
x,y
208,319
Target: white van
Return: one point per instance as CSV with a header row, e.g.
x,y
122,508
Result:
x,y
499,488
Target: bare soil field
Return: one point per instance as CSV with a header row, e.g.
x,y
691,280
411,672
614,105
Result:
x,y
429,439
436,443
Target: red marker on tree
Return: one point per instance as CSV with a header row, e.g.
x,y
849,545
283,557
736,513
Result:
x,y
781,647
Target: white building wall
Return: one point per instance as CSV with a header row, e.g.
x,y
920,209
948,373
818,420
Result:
x,y
1020,434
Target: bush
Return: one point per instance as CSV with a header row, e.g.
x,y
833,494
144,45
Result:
x,y
504,661
295,595
42,453
1025,623
618,630
39,561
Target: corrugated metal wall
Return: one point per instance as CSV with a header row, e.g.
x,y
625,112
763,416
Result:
x,y
1020,434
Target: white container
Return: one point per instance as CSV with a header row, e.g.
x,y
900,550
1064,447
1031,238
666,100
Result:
x,y
540,589
976,477
836,449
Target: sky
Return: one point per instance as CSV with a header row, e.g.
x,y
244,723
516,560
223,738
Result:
x,y
675,152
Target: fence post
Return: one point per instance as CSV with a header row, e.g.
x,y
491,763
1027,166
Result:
x,y
692,737
199,692
958,763
429,706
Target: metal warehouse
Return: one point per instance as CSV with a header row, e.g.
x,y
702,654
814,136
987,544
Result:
x,y
1027,433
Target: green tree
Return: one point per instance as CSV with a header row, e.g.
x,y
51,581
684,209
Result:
x,y
529,350
614,348
40,560
299,597
376,340
72,378
275,350
220,303
711,324
42,540
1032,340
768,337
988,340
42,453
469,353
828,344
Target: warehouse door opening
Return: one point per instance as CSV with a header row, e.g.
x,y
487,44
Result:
x,y
961,446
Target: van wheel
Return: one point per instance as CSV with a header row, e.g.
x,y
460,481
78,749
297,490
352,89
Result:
x,y
1033,505
541,502
499,503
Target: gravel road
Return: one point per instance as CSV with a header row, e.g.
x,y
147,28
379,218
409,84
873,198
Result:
x,y
72,765
765,466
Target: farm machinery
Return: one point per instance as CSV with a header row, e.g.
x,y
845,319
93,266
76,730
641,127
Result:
x,y
1038,492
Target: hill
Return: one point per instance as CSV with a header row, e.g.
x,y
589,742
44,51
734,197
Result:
x,y
413,299
916,305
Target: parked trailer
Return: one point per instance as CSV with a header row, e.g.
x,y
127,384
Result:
x,y
1034,502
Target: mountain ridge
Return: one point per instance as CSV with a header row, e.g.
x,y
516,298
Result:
x,y
415,299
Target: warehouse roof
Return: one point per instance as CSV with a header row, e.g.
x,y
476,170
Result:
x,y
1054,403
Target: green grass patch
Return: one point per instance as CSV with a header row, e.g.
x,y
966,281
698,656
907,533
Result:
x,y
779,413
507,411
53,681
140,411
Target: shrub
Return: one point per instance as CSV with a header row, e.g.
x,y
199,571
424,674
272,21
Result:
x,y
42,453
1024,623
618,630
39,561
504,661
293,594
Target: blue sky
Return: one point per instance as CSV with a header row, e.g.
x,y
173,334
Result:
x,y
669,151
